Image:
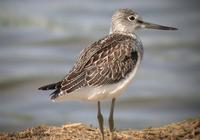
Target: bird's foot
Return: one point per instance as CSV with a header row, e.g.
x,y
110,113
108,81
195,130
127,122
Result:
x,y
112,136
102,137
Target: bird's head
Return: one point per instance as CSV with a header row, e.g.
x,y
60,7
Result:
x,y
127,21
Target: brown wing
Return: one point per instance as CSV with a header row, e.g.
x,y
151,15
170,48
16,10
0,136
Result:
x,y
112,67
105,62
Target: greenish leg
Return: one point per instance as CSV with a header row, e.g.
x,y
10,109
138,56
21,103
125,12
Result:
x,y
111,121
100,119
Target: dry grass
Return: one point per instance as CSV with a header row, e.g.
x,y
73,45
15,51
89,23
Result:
x,y
185,130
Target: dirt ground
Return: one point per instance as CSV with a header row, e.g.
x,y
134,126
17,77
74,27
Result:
x,y
185,130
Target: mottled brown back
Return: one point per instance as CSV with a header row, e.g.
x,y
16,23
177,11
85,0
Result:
x,y
106,61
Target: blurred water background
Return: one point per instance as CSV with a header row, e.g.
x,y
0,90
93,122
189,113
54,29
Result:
x,y
40,39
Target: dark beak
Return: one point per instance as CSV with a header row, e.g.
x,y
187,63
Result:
x,y
154,26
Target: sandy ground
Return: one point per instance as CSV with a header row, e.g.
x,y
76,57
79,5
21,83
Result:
x,y
185,130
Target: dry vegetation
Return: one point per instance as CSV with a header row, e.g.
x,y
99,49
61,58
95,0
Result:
x,y
185,130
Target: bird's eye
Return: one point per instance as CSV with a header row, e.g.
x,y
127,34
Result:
x,y
131,18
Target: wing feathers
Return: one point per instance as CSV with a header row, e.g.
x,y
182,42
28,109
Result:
x,y
51,86
104,62
68,84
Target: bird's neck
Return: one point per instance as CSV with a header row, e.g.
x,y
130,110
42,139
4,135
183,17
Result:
x,y
117,27
123,33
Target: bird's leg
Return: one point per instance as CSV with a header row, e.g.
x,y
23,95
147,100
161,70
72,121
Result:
x,y
111,121
100,119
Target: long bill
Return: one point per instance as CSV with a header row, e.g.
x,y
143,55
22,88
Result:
x,y
154,26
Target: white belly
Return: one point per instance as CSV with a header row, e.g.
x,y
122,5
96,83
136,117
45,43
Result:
x,y
100,92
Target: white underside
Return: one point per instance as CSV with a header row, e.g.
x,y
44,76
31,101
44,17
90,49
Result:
x,y
101,92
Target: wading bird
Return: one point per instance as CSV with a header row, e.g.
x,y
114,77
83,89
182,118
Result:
x,y
105,68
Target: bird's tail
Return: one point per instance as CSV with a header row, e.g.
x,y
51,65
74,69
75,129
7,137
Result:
x,y
51,86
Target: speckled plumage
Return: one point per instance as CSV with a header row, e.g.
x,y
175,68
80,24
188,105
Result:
x,y
105,62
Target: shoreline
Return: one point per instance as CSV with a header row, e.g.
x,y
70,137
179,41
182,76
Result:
x,y
187,129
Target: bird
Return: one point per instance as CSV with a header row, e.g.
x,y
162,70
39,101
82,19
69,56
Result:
x,y
104,69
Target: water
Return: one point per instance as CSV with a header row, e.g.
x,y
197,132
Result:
x,y
39,41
